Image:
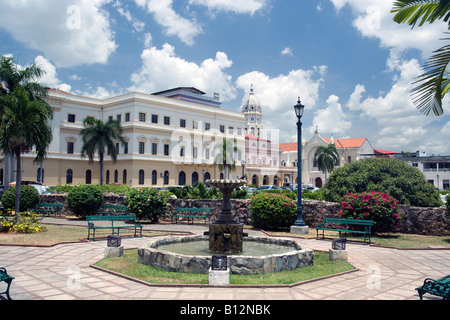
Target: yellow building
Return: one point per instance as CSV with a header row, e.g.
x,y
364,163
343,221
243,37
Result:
x,y
170,139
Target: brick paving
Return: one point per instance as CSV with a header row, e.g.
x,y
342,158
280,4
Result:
x,y
63,272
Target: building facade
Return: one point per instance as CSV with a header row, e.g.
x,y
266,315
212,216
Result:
x,y
171,138
349,150
435,168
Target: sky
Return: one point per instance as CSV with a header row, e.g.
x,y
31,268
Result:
x,y
351,65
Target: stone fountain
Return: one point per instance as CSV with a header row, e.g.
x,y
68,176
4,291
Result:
x,y
225,233
261,255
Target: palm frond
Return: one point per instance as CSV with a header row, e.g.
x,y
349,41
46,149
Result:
x,y
419,12
433,84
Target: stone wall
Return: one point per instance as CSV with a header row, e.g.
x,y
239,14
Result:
x,y
426,221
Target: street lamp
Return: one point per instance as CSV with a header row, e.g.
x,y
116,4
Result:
x,y
299,226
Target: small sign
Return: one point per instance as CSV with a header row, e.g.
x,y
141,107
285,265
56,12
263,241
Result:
x,y
339,244
113,241
219,263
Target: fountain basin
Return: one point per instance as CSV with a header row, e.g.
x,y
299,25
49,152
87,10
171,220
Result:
x,y
287,255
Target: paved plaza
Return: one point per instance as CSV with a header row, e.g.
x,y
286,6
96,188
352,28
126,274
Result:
x,y
64,272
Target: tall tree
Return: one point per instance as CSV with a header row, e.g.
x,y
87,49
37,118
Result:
x,y
99,137
432,86
25,125
226,153
11,77
326,157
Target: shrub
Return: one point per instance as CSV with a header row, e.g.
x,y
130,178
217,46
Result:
x,y
239,194
147,203
391,176
447,200
29,198
317,195
28,223
85,200
376,206
272,211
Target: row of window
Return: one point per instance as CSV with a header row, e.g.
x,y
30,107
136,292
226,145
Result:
x,y
154,150
142,117
141,179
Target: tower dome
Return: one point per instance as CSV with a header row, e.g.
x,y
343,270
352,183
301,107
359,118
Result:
x,y
252,104
253,114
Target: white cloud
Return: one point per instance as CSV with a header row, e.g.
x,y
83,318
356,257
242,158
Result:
x,y
69,32
240,7
174,25
400,125
138,25
278,96
373,18
287,52
332,119
162,69
50,78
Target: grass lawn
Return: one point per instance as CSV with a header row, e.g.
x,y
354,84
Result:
x,y
128,265
58,234
393,240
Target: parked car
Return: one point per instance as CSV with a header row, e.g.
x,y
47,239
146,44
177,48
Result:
x,y
267,187
249,190
310,188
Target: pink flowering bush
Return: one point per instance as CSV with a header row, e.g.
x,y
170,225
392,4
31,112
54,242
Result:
x,y
376,206
272,211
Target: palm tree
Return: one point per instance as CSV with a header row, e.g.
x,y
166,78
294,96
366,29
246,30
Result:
x,y
326,157
11,77
25,125
225,157
99,137
434,84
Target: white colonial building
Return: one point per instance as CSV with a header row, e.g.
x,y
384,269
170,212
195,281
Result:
x,y
170,138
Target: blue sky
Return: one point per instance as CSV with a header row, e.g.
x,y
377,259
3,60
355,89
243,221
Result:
x,y
350,63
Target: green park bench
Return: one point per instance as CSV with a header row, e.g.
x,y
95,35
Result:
x,y
110,209
5,277
94,223
48,208
440,287
345,226
191,214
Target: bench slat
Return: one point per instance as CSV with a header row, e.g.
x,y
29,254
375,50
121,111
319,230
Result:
x,y
367,224
187,213
91,226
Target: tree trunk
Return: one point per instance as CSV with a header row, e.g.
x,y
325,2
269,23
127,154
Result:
x,y
18,186
101,169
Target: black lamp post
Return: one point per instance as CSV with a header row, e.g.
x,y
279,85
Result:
x,y
299,108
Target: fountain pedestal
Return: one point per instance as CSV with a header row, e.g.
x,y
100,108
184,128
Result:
x,y
225,233
226,238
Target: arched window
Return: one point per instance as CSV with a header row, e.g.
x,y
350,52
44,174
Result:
x,y
166,177
124,177
88,176
116,176
154,177
207,177
69,176
107,176
349,159
194,178
182,178
141,177
221,176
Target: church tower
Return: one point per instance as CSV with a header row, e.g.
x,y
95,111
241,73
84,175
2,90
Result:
x,y
253,115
